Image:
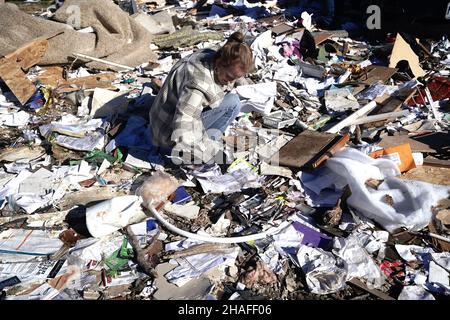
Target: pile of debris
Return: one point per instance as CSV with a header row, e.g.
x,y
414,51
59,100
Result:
x,y
341,190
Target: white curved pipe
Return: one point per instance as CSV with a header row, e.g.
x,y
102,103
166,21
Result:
x,y
199,237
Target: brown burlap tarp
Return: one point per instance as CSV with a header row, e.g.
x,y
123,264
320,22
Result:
x,y
117,37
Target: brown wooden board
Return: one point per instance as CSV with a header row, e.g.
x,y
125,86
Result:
x,y
53,76
429,174
322,36
376,73
282,28
377,293
444,246
437,163
101,80
273,19
16,81
13,64
30,54
309,149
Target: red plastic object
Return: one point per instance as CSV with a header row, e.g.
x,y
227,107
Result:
x,y
439,88
392,268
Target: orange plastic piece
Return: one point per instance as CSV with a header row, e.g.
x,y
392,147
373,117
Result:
x,y
401,154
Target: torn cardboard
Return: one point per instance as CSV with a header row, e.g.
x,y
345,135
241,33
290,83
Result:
x,y
402,51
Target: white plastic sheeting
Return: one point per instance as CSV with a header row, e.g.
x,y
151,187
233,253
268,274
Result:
x,y
359,262
412,200
323,274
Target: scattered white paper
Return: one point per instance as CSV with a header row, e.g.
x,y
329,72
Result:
x,y
28,242
340,100
258,97
17,119
437,274
413,253
94,141
33,271
193,266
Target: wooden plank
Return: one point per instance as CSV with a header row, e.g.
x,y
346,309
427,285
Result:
x,y
16,81
440,244
433,142
53,76
377,293
110,63
282,28
273,19
309,149
434,175
355,115
376,73
322,36
416,146
101,80
376,119
436,163
30,54
13,64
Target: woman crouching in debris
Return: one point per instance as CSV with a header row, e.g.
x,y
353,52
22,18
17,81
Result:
x,y
193,109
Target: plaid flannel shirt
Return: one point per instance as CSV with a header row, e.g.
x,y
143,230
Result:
x,y
175,116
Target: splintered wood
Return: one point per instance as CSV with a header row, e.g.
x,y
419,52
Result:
x,y
53,76
12,68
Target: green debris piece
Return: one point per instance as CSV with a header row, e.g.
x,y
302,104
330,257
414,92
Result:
x,y
128,81
126,252
119,259
118,155
324,55
112,273
74,162
115,262
321,122
98,156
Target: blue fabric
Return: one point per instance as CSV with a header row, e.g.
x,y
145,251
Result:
x,y
136,137
135,134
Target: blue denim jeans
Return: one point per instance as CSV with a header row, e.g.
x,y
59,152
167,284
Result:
x,y
218,119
